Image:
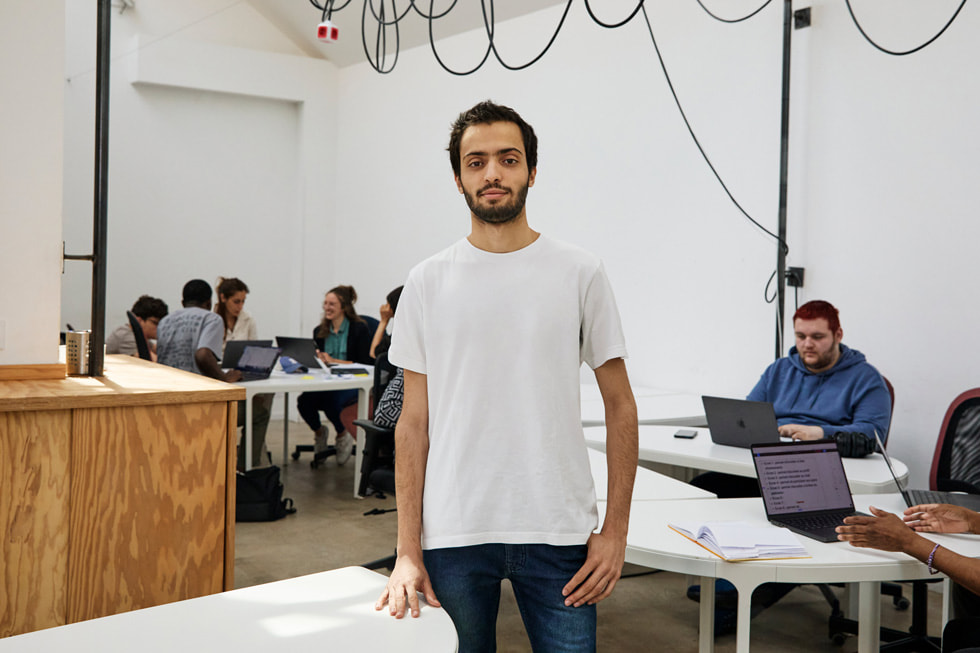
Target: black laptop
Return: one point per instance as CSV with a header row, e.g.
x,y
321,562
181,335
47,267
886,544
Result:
x,y
739,422
804,487
234,348
301,350
916,497
256,363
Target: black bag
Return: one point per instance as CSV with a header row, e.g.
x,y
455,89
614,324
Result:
x,y
260,496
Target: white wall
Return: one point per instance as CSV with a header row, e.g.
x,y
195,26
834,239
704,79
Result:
x,y
221,162
882,150
30,179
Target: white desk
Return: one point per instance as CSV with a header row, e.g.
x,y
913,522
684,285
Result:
x,y
676,408
648,486
658,444
332,610
651,544
311,382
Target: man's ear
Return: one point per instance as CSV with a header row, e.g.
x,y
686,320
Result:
x,y
459,186
530,177
839,334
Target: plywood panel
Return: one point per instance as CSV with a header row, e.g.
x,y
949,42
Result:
x,y
148,506
128,381
34,459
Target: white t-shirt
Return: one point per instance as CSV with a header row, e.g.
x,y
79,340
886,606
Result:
x,y
501,338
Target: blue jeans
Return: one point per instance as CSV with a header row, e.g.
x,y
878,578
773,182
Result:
x,y
467,579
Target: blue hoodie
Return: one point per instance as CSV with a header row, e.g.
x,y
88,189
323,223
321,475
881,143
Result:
x,y
850,396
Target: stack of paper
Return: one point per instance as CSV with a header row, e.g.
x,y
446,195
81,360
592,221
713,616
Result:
x,y
736,540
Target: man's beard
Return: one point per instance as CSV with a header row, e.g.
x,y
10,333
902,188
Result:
x,y
500,212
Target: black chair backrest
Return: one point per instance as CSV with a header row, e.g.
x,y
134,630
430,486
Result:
x,y
384,372
142,348
956,463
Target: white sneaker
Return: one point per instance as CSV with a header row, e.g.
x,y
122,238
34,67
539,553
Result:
x,y
345,444
320,440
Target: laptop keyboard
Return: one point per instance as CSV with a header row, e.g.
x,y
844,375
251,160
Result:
x,y
816,522
927,496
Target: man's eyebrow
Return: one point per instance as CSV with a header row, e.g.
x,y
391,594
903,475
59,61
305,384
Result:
x,y
506,150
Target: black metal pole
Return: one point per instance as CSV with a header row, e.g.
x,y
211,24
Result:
x,y
101,189
783,177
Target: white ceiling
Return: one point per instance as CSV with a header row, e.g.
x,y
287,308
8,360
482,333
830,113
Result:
x,y
298,19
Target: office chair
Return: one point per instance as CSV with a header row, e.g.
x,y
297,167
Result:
x,y
378,460
379,442
142,348
956,462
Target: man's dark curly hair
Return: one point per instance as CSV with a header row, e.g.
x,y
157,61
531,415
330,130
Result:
x,y
484,113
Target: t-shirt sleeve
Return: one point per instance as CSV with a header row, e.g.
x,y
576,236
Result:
x,y
407,332
602,330
212,334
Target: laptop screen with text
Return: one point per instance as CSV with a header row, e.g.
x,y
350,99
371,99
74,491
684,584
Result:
x,y
802,477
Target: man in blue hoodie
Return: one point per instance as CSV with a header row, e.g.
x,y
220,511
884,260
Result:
x,y
822,389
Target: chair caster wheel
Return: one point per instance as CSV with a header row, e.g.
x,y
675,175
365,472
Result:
x,y
901,603
295,455
838,639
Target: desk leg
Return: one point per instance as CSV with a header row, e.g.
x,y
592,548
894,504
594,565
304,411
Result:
x,y
742,634
285,429
706,629
248,431
869,619
360,438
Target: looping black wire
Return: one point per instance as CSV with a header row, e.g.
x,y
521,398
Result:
x,y
381,40
894,52
435,53
733,20
430,15
704,155
380,19
595,18
765,292
490,26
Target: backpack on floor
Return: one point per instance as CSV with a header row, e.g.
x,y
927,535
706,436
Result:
x,y
259,496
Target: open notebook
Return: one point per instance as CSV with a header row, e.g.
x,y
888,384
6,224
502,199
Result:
x,y
736,541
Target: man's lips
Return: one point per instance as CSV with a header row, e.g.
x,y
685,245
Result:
x,y
493,193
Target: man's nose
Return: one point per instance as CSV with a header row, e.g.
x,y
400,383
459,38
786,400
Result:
x,y
491,172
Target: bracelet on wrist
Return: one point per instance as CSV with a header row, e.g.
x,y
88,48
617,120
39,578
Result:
x,y
932,556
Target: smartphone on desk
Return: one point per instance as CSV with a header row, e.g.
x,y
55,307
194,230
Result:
x,y
687,434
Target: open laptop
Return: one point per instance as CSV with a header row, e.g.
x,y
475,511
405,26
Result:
x,y
256,363
302,350
234,348
916,497
739,422
804,487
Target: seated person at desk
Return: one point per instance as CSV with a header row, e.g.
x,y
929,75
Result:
x,y
822,389
342,337
239,325
190,339
148,311
382,339
887,532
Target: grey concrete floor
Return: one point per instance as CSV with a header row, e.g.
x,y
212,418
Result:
x,y
647,611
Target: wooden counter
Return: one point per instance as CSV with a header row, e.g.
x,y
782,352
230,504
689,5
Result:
x,y
116,493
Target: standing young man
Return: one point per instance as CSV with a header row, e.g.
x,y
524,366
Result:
x,y
492,474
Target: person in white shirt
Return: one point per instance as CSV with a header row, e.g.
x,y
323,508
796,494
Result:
x,y
239,325
492,473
